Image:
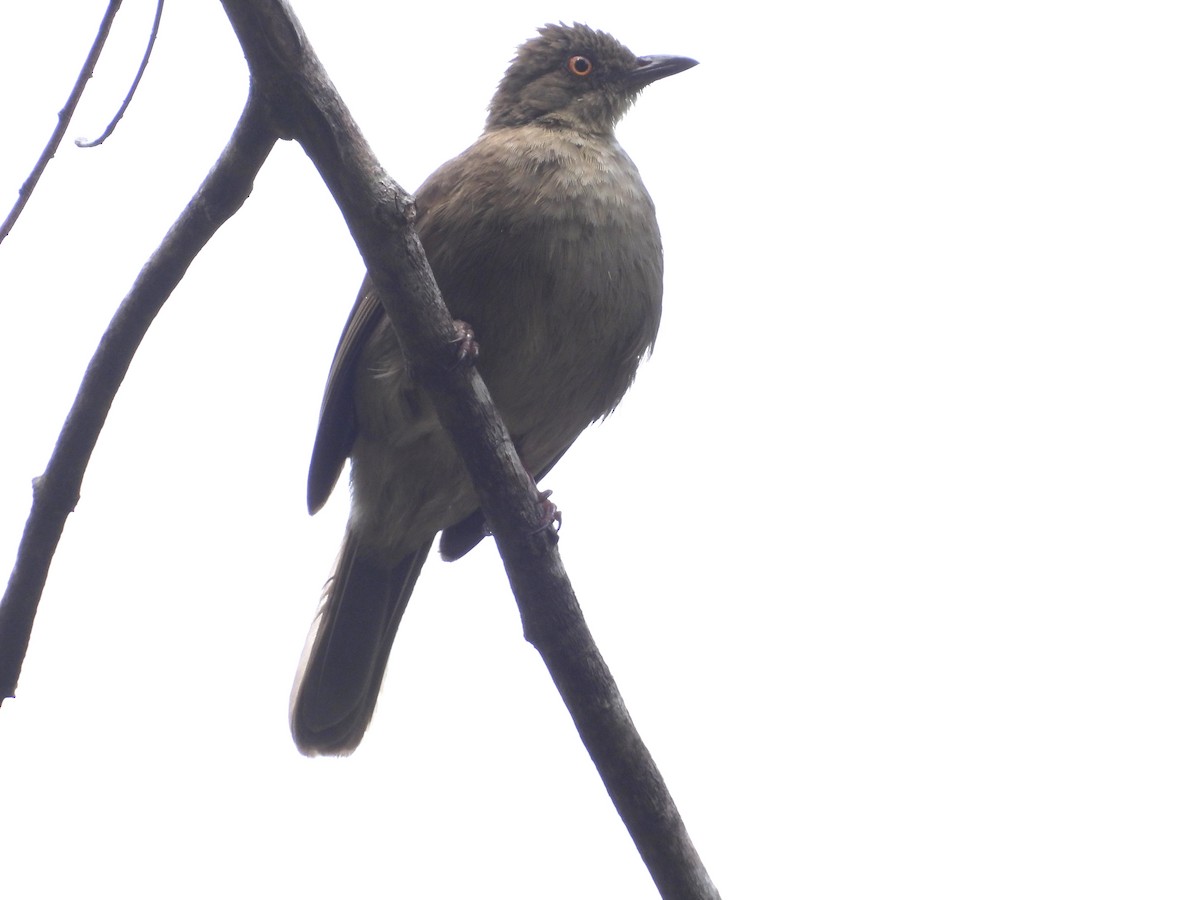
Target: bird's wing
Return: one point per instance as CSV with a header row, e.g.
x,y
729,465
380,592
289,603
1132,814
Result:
x,y
336,428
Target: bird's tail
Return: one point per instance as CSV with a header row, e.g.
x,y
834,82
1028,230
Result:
x,y
347,651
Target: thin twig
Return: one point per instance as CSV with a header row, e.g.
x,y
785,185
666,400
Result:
x,y
57,491
80,142
64,119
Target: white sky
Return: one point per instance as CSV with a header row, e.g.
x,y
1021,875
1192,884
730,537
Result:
x,y
892,548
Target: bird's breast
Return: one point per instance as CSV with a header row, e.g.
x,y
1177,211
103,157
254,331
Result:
x,y
547,244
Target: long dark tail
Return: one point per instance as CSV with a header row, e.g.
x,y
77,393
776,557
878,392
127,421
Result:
x,y
347,651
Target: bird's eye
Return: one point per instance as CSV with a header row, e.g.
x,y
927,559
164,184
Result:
x,y
579,65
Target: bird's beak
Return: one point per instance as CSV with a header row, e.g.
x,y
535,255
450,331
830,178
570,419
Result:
x,y
652,68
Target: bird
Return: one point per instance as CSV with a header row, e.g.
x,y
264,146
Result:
x,y
543,239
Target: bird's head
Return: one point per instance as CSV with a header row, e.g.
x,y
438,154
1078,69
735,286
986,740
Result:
x,y
573,76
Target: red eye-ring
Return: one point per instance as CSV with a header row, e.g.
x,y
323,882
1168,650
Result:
x,y
579,65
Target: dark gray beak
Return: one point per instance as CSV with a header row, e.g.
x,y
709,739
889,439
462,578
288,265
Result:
x,y
652,68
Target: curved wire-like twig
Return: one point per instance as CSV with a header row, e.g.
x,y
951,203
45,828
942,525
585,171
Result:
x,y
64,119
80,142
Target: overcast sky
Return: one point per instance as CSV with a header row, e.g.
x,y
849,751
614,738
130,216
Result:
x,y
892,548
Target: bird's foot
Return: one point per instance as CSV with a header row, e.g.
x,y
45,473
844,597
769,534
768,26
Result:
x,y
551,514
466,348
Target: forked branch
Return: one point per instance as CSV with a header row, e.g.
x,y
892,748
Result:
x,y
291,96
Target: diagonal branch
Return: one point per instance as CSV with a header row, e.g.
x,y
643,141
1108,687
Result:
x,y
56,492
378,212
64,119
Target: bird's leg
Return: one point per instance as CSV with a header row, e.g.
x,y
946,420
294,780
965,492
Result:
x,y
466,348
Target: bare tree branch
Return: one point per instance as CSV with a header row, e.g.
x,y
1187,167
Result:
x,y
137,79
291,97
379,214
64,119
56,492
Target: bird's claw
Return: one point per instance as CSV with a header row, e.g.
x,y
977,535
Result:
x,y
551,514
466,348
